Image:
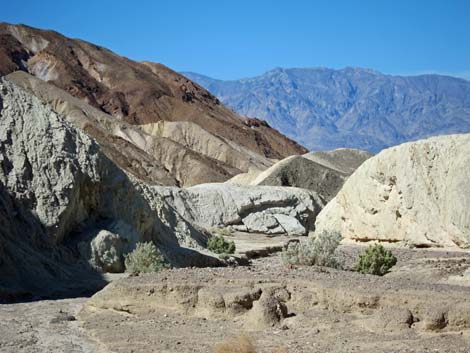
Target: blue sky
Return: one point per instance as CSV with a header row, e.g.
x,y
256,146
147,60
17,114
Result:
x,y
238,38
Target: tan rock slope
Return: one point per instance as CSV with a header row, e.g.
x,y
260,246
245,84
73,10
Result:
x,y
192,136
416,193
322,172
151,158
345,160
146,94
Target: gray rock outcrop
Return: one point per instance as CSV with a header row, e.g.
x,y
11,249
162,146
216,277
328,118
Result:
x,y
257,209
106,246
56,185
296,171
415,193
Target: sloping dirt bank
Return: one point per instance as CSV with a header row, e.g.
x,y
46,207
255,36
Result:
x,y
423,305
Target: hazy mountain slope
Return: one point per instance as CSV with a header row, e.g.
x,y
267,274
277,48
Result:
x,y
136,93
358,108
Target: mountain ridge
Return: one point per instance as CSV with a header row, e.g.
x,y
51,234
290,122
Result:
x,y
324,108
325,68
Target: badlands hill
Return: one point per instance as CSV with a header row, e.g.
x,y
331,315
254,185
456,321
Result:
x,y
344,160
184,127
323,172
325,109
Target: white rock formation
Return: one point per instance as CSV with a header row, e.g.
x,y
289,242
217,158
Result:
x,y
416,193
258,209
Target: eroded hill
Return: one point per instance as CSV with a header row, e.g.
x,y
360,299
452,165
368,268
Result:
x,y
144,94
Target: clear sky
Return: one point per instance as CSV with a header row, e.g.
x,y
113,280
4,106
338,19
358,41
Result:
x,y
240,38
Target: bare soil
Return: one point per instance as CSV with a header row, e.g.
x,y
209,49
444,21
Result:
x,y
422,305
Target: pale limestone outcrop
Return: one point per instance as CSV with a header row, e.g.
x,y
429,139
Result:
x,y
257,209
416,193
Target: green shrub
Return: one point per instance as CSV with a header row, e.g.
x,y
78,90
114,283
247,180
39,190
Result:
x,y
375,260
319,250
219,245
145,258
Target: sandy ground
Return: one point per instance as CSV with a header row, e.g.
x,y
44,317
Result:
x,y
44,326
423,305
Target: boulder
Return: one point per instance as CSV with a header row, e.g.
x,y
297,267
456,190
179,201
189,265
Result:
x,y
262,223
291,225
106,247
107,252
416,193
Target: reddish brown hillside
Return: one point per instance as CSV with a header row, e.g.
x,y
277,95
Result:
x,y
138,93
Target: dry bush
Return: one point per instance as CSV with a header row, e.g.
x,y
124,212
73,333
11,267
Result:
x,y
145,258
319,251
239,344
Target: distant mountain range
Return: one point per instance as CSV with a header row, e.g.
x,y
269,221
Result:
x,y
358,108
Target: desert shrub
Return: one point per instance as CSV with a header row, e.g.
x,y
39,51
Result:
x,y
219,245
319,250
375,260
240,344
145,258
